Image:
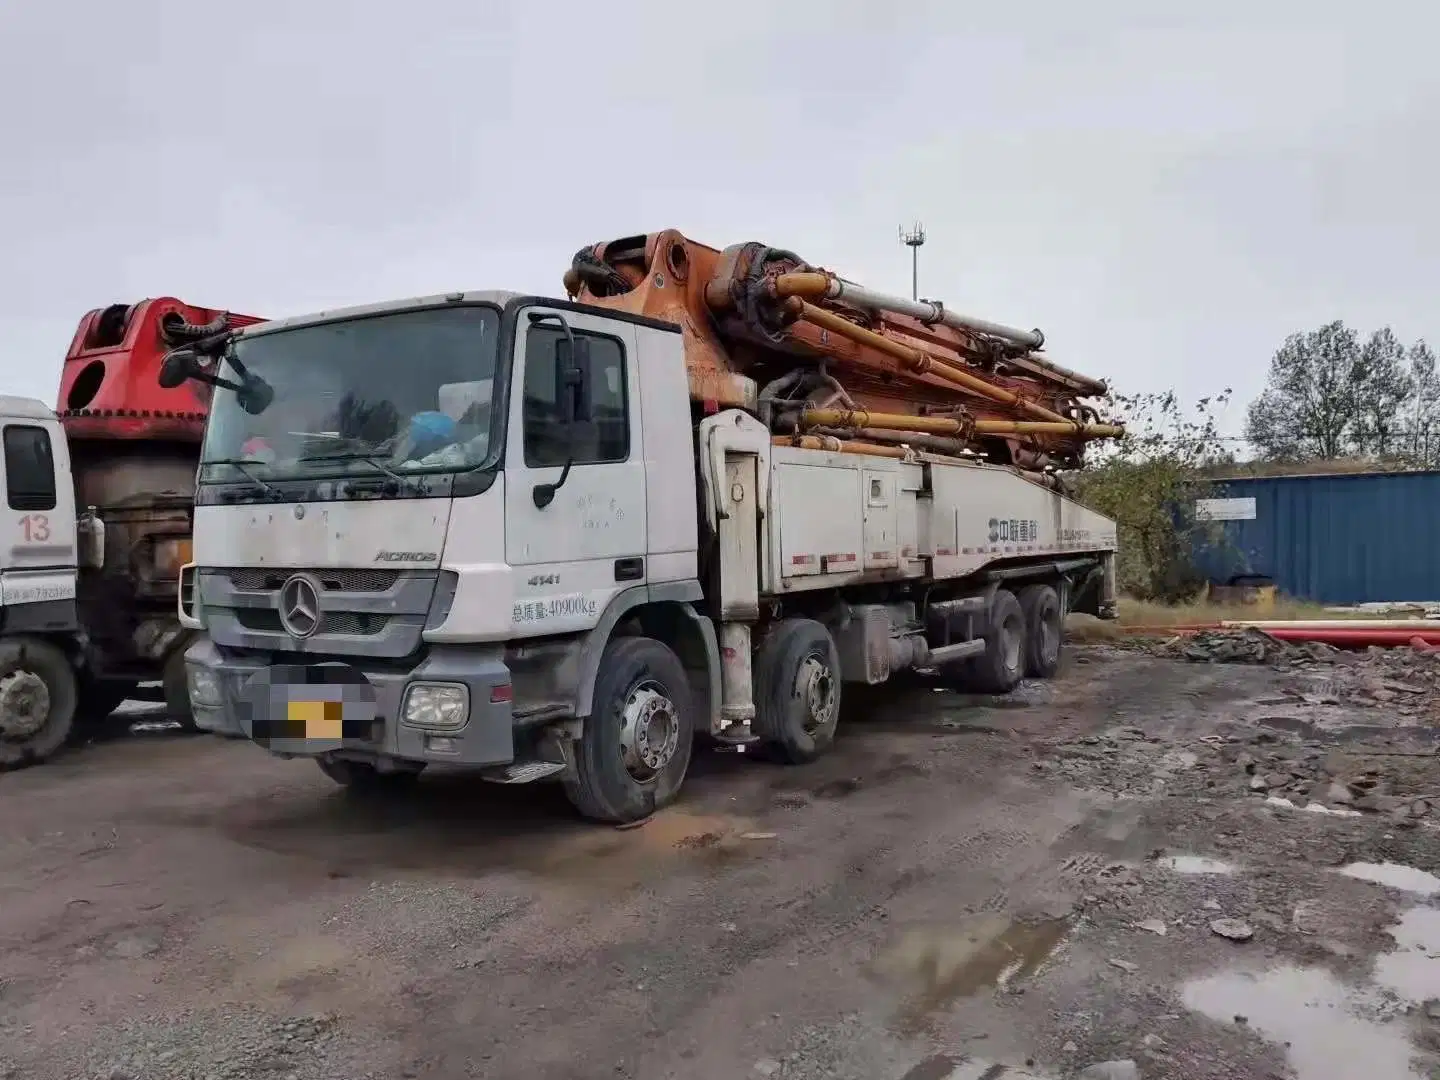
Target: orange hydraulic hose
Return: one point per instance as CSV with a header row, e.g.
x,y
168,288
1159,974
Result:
x,y
939,425
839,446
922,362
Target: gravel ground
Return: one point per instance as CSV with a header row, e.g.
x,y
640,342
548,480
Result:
x,y
1146,868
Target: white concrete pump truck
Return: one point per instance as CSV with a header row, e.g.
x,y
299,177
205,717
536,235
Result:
x,y
546,538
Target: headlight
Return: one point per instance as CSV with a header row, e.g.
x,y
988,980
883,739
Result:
x,y
204,687
442,706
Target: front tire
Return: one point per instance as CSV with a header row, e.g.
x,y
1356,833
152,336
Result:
x,y
38,696
177,691
797,690
635,747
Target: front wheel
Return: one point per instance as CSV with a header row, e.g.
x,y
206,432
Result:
x,y
634,751
797,690
38,695
177,691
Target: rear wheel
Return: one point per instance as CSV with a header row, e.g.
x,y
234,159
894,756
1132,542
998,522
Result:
x,y
1001,666
634,751
797,690
1044,630
38,696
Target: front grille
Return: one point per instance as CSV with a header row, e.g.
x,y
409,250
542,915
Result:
x,y
265,579
263,621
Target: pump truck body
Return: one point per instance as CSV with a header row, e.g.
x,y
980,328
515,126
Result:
x,y
562,538
98,506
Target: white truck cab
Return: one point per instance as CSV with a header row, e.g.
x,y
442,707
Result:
x,y
493,530
38,620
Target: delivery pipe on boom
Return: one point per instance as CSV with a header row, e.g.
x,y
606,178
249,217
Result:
x,y
815,284
755,316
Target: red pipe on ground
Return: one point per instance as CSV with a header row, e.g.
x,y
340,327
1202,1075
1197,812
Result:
x,y
1357,638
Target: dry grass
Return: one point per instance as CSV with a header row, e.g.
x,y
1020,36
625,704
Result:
x,y
1141,613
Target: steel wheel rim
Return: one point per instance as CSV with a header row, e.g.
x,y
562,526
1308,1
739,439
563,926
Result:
x,y
1011,642
1049,637
649,731
24,705
815,686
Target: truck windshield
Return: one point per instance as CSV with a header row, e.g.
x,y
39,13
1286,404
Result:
x,y
407,392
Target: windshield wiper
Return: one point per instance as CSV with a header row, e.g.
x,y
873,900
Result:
x,y
369,459
239,465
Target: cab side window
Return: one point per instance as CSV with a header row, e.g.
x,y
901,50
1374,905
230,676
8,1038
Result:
x,y
601,436
29,468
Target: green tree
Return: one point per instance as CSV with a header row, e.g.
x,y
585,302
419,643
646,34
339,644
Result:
x,y
1423,411
1309,404
1148,483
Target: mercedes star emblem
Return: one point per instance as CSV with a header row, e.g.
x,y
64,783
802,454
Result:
x,y
300,606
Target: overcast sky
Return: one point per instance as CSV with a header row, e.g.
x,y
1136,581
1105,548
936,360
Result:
x,y
1167,196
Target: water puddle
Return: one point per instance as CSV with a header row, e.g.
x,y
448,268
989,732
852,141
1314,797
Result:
x,y
1395,876
1196,864
1412,970
1313,1016
936,966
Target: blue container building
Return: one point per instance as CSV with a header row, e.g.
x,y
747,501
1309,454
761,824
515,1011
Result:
x,y
1331,539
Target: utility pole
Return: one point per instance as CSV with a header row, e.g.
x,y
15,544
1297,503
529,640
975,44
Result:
x,y
913,238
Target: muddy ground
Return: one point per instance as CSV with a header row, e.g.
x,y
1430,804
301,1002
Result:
x,y
962,889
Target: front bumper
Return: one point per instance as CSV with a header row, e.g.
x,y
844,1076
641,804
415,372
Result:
x,y
354,710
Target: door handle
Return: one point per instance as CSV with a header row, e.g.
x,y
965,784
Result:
x,y
629,569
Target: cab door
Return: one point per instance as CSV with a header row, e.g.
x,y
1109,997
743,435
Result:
x,y
37,515
572,552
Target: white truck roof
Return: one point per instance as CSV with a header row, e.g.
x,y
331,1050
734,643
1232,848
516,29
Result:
x,y
25,408
497,297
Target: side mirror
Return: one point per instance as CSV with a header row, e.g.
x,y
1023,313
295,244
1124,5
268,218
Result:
x,y
255,395
178,366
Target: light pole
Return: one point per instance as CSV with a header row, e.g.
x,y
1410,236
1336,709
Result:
x,y
913,238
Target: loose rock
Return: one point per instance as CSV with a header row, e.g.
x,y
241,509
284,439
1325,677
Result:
x,y
1233,929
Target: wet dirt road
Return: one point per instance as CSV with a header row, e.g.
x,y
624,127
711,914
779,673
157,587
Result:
x,y
960,890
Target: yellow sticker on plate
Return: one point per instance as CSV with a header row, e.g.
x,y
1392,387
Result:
x,y
315,719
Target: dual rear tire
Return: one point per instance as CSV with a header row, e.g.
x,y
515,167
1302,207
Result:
x,y
1022,640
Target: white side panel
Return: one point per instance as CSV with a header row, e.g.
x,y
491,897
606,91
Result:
x,y
909,509
882,525
368,533
670,507
40,538
996,514
36,586
974,516
739,540
565,554
819,511
487,590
